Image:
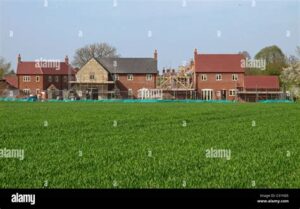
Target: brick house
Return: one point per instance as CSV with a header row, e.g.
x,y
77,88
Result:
x,y
115,77
218,76
221,77
34,77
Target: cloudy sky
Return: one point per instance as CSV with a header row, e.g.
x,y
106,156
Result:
x,y
55,28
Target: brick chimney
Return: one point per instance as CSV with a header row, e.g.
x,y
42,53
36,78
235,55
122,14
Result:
x,y
155,54
67,60
19,58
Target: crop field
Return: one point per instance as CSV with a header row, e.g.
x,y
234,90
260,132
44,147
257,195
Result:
x,y
144,145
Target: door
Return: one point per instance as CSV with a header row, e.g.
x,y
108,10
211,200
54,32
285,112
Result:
x,y
207,94
223,95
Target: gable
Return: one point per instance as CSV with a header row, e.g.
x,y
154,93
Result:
x,y
92,67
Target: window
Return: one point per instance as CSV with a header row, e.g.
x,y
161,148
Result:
x,y
37,91
92,76
50,78
149,77
129,92
130,77
37,78
203,77
232,92
65,78
56,78
219,77
26,78
234,77
26,91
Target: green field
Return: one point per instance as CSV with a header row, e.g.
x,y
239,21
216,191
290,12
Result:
x,y
161,145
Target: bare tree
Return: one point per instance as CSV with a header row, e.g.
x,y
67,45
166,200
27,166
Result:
x,y
96,50
4,67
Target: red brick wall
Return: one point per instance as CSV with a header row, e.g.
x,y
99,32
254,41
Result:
x,y
225,84
61,84
43,84
32,85
139,81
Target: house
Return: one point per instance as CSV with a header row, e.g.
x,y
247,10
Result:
x,y
9,86
115,77
42,75
222,77
218,76
260,88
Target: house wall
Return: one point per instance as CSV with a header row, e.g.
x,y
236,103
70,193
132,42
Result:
x,y
92,67
225,84
32,85
61,84
139,81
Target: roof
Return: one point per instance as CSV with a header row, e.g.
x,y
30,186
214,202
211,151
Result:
x,y
129,65
11,80
31,68
218,63
261,82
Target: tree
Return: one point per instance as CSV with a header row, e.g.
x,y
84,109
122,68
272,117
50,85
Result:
x,y
246,54
96,50
275,59
4,67
290,75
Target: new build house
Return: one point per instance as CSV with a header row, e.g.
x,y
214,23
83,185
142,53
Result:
x,y
49,76
115,77
222,77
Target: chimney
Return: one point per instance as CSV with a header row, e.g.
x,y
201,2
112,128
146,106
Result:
x,y
19,58
195,52
67,60
155,54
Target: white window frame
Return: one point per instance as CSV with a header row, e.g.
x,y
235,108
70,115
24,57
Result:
x,y
203,77
130,77
218,77
37,78
27,91
26,78
232,92
149,77
235,77
50,78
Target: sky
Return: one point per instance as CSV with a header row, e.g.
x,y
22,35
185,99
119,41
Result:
x,y
51,29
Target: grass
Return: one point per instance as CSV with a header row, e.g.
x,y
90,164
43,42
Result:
x,y
149,147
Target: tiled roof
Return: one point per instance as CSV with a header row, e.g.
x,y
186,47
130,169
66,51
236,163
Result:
x,y
30,68
130,65
218,63
262,82
11,80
